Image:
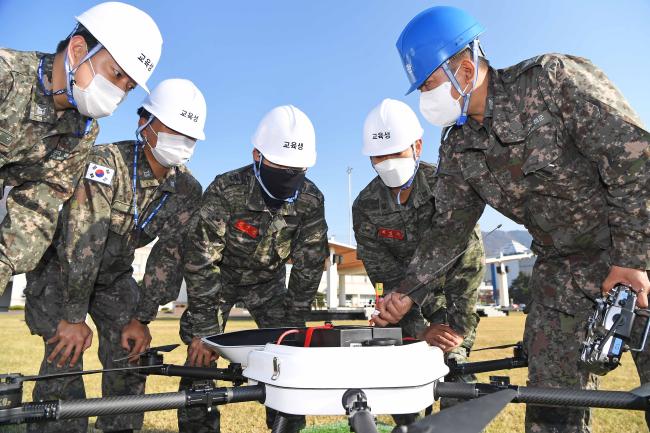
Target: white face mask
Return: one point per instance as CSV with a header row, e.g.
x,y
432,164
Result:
x,y
396,172
439,107
100,98
172,149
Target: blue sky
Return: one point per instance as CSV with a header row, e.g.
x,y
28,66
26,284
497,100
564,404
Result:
x,y
335,60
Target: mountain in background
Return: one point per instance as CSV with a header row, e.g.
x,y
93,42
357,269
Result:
x,y
499,239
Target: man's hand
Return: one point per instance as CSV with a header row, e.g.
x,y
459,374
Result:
x,y
73,339
442,336
139,334
198,355
635,278
391,309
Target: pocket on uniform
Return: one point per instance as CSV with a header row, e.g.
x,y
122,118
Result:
x,y
542,151
121,217
473,165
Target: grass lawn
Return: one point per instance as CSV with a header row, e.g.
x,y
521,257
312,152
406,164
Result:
x,y
22,352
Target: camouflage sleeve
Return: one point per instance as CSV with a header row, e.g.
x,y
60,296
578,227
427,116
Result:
x,y
608,132
458,208
33,210
308,256
202,252
463,280
84,229
6,78
380,264
164,271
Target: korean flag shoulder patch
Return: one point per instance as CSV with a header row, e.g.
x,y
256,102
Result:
x,y
99,173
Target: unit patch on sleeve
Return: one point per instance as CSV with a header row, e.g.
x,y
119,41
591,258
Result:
x,y
99,173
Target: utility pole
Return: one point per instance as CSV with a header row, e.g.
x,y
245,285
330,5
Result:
x,y
349,170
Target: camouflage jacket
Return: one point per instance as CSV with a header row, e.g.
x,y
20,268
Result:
x,y
561,152
388,234
41,155
97,237
235,239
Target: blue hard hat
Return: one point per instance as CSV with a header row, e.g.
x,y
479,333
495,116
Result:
x,y
433,37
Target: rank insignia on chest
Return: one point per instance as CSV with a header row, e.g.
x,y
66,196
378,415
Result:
x,y
390,234
99,173
250,230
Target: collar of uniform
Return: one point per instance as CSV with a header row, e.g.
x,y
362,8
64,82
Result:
x,y
169,181
500,117
421,193
506,123
42,107
489,105
255,201
146,179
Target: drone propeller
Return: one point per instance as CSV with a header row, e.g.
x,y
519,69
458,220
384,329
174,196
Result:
x,y
79,373
167,348
642,391
503,346
468,417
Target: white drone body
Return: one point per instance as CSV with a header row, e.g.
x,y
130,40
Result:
x,y
312,380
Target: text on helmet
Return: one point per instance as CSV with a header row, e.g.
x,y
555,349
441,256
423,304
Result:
x,y
190,115
146,61
292,145
381,135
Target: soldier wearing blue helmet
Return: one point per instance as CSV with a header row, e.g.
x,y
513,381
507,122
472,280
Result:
x,y
552,144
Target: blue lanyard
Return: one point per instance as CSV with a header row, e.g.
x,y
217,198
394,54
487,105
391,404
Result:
x,y
46,92
135,193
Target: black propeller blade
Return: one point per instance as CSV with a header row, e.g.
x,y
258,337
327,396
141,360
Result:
x,y
167,348
80,373
468,417
503,346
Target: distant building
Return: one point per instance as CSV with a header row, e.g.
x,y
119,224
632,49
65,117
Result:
x,y
345,282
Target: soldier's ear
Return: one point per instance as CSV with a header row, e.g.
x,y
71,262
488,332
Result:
x,y
466,71
256,155
77,49
418,147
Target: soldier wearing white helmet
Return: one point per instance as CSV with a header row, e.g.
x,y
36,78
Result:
x,y
251,222
133,192
47,119
392,214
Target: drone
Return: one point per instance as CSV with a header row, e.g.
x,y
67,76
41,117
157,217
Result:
x,y
324,370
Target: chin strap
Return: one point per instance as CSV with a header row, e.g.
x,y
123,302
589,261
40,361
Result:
x,y
408,184
466,96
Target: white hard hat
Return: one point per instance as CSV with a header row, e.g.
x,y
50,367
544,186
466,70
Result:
x,y
180,105
130,36
286,136
390,127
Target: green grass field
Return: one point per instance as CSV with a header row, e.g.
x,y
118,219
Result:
x,y
22,352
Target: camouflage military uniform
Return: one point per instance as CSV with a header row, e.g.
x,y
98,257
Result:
x,y
236,251
387,235
88,269
42,156
561,152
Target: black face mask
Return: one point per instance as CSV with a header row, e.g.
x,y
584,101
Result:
x,y
281,183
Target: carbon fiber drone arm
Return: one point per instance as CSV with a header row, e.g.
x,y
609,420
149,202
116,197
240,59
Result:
x,y
68,409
